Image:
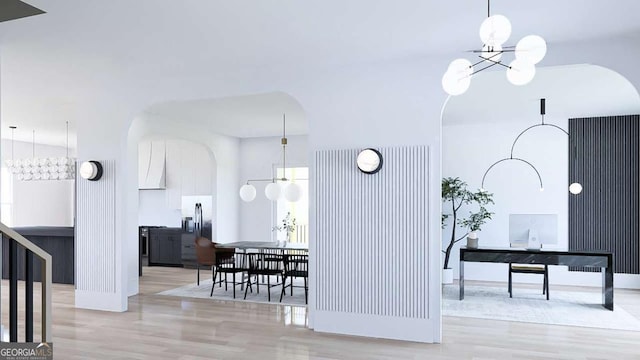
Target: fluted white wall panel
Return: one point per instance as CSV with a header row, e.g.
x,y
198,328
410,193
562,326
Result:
x,y
96,232
371,234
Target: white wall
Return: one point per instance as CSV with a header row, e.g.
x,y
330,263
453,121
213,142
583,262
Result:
x,y
190,170
467,152
39,203
258,157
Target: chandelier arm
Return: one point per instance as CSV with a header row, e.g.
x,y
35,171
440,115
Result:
x,y
531,127
508,159
494,62
484,68
483,58
522,133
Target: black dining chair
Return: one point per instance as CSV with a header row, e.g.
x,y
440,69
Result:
x,y
296,265
229,262
266,263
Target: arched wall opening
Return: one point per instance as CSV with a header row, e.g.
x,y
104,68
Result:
x,y
479,127
223,126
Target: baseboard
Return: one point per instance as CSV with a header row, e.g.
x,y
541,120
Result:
x,y
386,327
101,301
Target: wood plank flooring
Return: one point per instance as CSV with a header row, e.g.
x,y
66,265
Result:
x,y
163,327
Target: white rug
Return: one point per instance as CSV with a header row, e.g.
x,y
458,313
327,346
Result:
x,y
203,291
529,305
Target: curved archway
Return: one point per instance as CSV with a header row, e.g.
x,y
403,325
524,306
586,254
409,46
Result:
x,y
219,124
479,129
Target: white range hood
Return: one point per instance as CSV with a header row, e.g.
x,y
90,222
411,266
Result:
x,y
152,165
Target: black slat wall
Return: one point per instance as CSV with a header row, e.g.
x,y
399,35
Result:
x,y
604,158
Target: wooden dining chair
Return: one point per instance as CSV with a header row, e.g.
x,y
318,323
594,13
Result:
x,y
265,263
296,265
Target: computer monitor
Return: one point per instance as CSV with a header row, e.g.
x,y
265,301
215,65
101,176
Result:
x,y
533,230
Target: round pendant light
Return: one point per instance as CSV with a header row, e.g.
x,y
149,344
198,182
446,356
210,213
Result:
x,y
272,191
575,188
292,192
248,192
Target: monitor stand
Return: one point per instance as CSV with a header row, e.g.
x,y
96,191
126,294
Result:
x,y
533,243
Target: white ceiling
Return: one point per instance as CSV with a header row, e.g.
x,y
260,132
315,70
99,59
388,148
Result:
x,y
143,41
571,92
240,116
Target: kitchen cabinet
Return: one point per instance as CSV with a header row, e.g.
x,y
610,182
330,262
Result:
x,y
165,247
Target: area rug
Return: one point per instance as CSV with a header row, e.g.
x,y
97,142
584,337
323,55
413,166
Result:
x,y
203,291
529,305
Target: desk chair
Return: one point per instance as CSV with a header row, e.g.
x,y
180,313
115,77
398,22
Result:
x,y
530,269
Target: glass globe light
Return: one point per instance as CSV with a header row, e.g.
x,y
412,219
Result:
x,y
54,176
454,85
63,176
495,30
27,176
9,163
53,161
293,192
247,192
272,191
46,176
37,176
492,53
462,67
531,49
520,73
575,188
18,163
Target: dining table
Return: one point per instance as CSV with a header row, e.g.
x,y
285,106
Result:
x,y
263,245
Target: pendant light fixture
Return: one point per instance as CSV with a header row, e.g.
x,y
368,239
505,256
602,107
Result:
x,y
277,187
48,168
494,32
575,188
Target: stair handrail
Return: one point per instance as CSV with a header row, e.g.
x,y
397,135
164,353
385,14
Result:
x,y
46,277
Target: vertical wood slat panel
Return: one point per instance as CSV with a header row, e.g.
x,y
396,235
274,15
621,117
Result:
x,y
96,231
605,215
372,233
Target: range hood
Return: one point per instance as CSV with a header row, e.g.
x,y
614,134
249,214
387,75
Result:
x,y
152,174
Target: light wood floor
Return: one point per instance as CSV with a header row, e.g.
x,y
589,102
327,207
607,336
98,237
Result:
x,y
163,327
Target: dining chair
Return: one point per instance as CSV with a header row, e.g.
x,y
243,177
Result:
x,y
265,263
296,265
205,255
227,261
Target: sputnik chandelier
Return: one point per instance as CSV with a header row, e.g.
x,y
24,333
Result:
x,y
277,187
494,32
575,188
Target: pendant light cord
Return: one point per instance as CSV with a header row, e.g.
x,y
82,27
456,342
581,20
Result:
x,y
488,8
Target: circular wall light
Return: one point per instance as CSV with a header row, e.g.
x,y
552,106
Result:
x,y
91,170
575,188
369,161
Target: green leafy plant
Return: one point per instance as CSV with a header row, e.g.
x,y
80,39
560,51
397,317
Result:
x,y
455,192
288,225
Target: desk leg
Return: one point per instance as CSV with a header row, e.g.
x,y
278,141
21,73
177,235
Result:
x,y
607,287
461,283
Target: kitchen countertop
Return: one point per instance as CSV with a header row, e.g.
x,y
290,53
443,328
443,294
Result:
x,y
61,231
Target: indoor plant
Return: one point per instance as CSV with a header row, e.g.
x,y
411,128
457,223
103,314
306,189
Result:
x,y
288,225
455,192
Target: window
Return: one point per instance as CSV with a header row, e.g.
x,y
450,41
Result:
x,y
299,210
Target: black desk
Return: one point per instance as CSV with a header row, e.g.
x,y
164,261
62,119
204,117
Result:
x,y
599,259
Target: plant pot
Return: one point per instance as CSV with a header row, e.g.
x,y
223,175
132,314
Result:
x,y
472,243
447,276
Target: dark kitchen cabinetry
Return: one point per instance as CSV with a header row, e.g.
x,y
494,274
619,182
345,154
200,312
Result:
x,y
165,246
189,250
57,241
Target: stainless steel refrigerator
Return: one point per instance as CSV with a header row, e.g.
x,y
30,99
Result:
x,y
197,213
